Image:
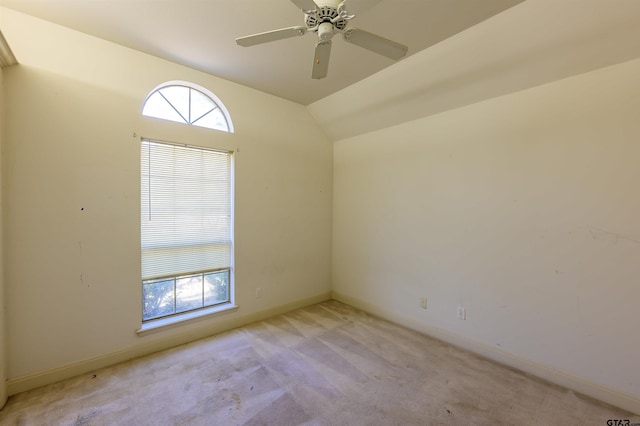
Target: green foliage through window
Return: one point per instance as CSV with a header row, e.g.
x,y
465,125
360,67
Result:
x,y
168,296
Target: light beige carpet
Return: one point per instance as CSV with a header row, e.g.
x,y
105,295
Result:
x,y
328,364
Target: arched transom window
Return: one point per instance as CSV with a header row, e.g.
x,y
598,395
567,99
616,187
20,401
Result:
x,y
187,103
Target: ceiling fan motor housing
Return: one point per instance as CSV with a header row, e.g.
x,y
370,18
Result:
x,y
327,10
334,4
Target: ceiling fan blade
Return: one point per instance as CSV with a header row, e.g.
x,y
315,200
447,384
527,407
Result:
x,y
305,4
321,59
358,6
269,36
375,43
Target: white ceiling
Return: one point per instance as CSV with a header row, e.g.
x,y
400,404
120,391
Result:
x,y
201,34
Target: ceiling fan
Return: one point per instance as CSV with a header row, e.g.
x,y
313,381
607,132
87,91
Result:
x,y
327,18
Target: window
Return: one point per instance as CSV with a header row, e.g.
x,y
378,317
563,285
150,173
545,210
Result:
x,y
187,103
186,227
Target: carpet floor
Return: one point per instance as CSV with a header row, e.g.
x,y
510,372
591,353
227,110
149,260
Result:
x,y
327,364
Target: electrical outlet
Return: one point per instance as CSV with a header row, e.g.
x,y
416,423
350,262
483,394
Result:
x,y
462,313
423,302
258,292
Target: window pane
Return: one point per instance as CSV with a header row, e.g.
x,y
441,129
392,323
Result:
x,y
187,103
214,120
157,106
157,298
216,287
188,293
200,104
178,96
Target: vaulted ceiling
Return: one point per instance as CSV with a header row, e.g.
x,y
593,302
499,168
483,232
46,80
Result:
x,y
460,51
201,34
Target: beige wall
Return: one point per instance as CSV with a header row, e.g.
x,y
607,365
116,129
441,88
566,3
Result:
x,y
72,201
523,209
3,348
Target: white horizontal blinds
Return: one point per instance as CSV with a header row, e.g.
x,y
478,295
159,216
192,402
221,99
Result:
x,y
186,209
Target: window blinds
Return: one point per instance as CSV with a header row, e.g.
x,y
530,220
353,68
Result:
x,y
186,221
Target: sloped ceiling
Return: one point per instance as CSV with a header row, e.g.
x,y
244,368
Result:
x,y
533,43
201,34
461,51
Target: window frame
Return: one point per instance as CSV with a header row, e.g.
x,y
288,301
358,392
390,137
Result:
x,y
177,310
203,90
174,318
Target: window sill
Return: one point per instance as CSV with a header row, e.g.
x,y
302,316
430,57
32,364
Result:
x,y
162,323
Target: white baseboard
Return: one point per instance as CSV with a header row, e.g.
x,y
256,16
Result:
x,y
193,333
586,387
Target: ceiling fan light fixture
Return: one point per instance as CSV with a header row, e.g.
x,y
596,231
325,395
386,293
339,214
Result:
x,y
325,31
